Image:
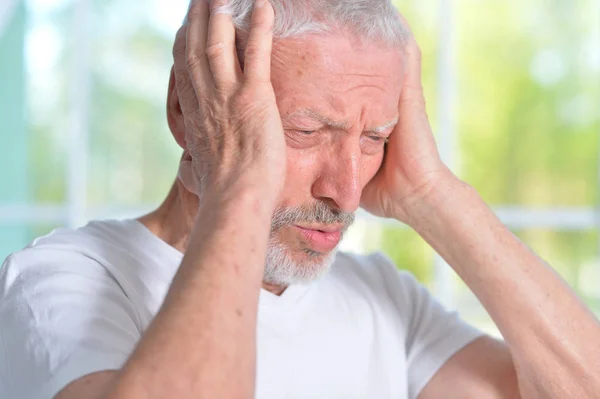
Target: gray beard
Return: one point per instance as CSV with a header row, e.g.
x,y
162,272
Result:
x,y
280,267
282,270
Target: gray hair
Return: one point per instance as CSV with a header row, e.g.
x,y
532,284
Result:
x,y
372,20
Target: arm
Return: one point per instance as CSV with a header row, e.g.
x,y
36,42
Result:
x,y
202,341
553,340
483,369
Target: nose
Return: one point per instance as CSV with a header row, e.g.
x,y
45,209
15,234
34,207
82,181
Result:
x,y
339,183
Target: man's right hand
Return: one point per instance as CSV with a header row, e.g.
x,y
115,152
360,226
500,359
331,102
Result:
x,y
202,341
233,127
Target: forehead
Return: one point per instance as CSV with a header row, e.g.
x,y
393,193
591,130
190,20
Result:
x,y
339,75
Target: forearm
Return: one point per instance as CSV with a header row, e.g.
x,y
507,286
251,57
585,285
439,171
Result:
x,y
553,338
202,342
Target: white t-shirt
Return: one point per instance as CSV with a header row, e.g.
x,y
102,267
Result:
x,y
78,301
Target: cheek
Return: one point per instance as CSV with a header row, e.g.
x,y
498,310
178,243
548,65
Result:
x,y
300,175
370,167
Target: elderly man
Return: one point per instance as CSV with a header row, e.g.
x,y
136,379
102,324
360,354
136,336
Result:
x,y
231,288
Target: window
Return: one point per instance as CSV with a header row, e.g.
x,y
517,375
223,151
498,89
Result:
x,y
513,93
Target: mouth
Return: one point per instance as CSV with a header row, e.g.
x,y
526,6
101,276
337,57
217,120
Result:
x,y
321,239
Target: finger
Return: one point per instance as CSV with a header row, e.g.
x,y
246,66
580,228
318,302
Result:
x,y
185,90
257,64
412,55
221,50
197,30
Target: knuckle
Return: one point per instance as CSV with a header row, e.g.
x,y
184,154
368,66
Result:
x,y
246,94
241,100
261,25
194,60
214,51
183,84
253,50
220,97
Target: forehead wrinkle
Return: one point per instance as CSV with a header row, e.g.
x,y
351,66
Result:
x,y
365,75
347,74
381,87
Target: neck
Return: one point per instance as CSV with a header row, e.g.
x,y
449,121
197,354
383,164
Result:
x,y
174,220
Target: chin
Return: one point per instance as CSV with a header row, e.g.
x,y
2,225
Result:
x,y
285,265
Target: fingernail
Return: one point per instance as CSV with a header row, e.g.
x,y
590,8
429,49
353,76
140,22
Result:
x,y
259,3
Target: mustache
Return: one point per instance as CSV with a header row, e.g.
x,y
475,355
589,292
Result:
x,y
317,212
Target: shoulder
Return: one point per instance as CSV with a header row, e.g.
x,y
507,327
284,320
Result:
x,y
67,258
77,250
64,259
60,251
64,314
95,239
117,259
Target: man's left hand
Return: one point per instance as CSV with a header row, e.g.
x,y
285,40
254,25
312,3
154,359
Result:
x,y
412,167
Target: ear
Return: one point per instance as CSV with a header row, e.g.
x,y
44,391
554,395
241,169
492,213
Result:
x,y
186,174
174,113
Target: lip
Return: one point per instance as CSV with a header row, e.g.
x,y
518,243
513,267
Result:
x,y
321,238
325,229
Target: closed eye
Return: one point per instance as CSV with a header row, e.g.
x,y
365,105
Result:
x,y
379,139
303,138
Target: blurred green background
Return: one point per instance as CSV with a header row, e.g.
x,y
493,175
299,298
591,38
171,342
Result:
x,y
513,90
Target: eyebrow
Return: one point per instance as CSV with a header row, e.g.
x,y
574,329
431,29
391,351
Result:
x,y
384,127
312,114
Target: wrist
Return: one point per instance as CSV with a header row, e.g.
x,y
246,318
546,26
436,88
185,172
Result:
x,y
249,203
237,223
247,195
453,219
446,193
242,181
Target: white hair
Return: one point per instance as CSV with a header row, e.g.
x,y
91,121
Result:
x,y
373,20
